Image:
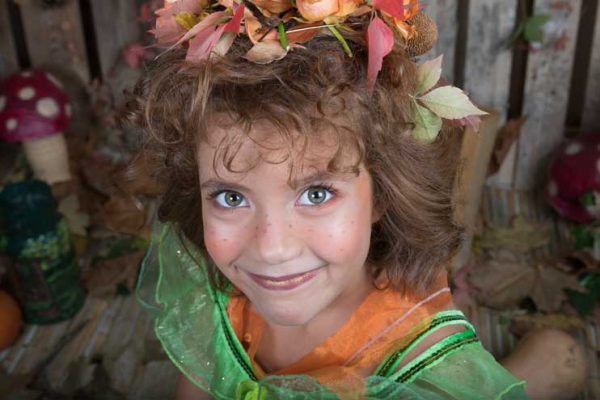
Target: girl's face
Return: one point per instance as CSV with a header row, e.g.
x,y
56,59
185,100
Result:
x,y
295,250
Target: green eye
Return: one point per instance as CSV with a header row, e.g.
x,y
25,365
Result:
x,y
230,199
315,196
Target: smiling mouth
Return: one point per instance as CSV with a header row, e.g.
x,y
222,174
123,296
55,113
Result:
x,y
287,282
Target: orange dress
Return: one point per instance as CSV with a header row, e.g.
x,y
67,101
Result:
x,y
385,321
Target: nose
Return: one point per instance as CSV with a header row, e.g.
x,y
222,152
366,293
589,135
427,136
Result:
x,y
276,239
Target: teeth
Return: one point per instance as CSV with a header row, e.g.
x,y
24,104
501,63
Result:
x,y
292,281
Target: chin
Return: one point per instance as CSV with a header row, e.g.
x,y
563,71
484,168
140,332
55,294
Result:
x,y
293,316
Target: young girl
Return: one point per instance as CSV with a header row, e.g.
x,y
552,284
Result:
x,y
306,216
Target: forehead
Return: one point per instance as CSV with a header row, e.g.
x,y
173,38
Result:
x,y
229,149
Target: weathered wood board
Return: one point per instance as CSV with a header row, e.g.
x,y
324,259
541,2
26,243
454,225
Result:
x,y
8,53
444,13
488,59
591,108
55,39
115,26
546,93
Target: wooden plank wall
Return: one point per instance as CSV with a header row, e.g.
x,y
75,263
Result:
x,y
79,40
590,119
8,51
84,39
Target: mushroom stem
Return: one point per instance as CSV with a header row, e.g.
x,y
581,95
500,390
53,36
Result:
x,y
48,158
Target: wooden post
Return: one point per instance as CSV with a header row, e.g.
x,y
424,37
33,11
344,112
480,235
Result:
x,y
444,13
546,94
475,154
54,36
115,26
8,55
591,107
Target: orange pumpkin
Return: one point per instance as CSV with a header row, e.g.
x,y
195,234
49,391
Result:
x,y
10,319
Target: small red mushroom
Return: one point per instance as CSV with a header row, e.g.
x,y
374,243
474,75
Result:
x,y
573,187
35,110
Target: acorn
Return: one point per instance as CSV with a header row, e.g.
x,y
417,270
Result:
x,y
425,37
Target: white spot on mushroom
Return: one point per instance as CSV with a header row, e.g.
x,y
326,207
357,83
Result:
x,y
27,93
52,79
11,124
2,103
552,189
573,149
26,74
68,110
47,107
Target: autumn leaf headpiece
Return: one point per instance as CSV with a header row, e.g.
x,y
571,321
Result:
x,y
275,27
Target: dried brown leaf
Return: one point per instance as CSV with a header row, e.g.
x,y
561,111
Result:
x,y
102,279
123,214
522,236
504,282
266,52
521,324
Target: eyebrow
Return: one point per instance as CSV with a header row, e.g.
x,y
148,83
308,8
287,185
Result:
x,y
293,183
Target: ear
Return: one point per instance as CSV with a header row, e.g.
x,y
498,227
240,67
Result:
x,y
377,212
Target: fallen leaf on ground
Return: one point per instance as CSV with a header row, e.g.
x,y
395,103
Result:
x,y
506,280
104,278
521,324
123,214
522,236
77,220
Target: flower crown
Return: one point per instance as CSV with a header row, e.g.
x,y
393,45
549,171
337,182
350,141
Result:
x,y
275,27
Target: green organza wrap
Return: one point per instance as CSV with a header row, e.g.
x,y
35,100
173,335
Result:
x,y
191,323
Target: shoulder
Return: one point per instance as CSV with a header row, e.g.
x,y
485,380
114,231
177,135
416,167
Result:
x,y
186,390
448,358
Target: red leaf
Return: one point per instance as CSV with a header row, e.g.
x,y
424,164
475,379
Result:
x,y
236,21
133,54
393,7
204,42
380,41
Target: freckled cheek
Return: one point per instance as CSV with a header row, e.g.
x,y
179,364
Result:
x,y
223,242
344,237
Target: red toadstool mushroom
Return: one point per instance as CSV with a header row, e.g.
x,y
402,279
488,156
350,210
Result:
x,y
34,110
573,187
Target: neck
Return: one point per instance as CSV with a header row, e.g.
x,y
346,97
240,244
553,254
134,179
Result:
x,y
275,352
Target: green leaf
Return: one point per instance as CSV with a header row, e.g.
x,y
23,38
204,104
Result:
x,y
582,302
514,36
428,124
428,74
450,102
122,289
583,237
592,283
533,31
587,199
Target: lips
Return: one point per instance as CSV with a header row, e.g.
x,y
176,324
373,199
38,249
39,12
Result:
x,y
287,282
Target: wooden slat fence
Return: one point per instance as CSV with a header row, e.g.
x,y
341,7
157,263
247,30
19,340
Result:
x,y
83,39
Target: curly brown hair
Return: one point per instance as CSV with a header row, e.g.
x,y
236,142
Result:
x,y
312,87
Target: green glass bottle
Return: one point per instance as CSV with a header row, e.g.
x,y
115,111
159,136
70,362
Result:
x,y
44,271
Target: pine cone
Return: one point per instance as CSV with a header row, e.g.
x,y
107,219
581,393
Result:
x,y
426,35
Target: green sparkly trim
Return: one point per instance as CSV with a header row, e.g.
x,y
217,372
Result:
x,y
440,320
435,353
233,342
